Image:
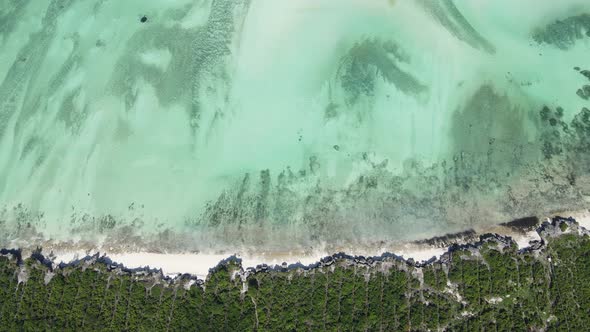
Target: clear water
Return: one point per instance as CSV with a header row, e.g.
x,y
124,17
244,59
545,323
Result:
x,y
279,124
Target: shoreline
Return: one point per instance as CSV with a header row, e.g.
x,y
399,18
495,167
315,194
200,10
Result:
x,y
449,279
199,265
251,265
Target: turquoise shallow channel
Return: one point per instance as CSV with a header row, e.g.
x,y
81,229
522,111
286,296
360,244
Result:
x,y
280,124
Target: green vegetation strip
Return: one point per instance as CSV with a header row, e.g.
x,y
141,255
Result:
x,y
488,286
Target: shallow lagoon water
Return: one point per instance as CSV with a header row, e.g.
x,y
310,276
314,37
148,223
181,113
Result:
x,y
288,124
